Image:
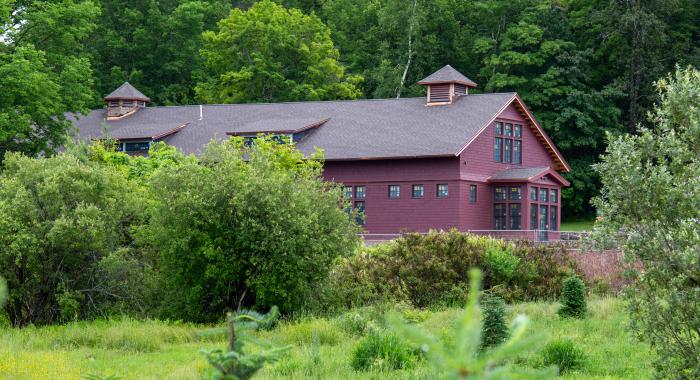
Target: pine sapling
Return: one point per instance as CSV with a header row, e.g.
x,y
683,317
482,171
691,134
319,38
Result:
x,y
573,298
494,329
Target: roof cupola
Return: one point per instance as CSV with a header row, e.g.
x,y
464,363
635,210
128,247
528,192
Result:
x,y
125,101
445,85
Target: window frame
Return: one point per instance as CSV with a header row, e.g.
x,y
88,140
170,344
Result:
x,y
439,194
363,193
473,189
413,191
508,143
394,194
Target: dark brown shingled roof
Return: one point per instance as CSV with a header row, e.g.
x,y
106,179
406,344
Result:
x,y
355,129
127,92
447,74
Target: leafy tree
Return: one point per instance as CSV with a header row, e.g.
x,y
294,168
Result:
x,y
60,219
463,359
269,53
154,45
651,194
41,77
244,226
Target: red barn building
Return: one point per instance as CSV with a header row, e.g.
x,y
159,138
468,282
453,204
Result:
x,y
449,160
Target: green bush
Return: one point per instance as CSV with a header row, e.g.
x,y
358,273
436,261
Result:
x,y
573,298
59,218
564,354
427,269
357,323
382,350
251,226
494,330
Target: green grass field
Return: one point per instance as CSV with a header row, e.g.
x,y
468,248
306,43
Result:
x,y
155,350
577,225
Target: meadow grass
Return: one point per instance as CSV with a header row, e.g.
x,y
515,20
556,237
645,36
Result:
x,y
322,346
577,225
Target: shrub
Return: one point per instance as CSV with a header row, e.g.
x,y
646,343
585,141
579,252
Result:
x,y
573,298
494,330
423,270
564,354
357,324
382,350
59,218
251,226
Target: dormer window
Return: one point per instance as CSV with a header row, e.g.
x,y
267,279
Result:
x,y
446,85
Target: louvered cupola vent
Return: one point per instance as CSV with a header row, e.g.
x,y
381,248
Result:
x,y
445,85
124,101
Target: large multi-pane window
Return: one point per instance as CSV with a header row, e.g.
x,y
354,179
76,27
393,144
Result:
x,y
507,143
507,208
499,214
347,191
442,190
418,191
360,192
514,216
543,210
394,191
472,194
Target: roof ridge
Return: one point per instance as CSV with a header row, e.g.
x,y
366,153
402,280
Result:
x,y
312,101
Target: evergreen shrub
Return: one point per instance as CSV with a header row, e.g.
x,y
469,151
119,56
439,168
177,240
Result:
x,y
573,298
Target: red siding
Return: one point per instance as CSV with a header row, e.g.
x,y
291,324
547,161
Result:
x,y
384,215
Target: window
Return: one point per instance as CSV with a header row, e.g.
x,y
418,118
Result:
x,y
472,194
533,215
499,216
543,195
360,212
553,218
137,146
347,191
499,194
113,103
394,191
417,191
507,143
514,194
442,190
514,216
360,192
499,129
533,194
119,147
498,149
553,196
127,103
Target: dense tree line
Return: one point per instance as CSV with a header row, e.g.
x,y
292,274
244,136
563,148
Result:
x,y
584,67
